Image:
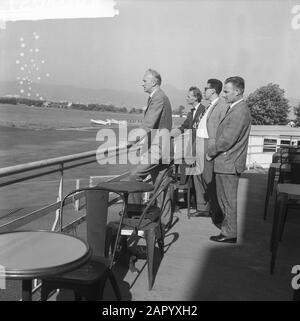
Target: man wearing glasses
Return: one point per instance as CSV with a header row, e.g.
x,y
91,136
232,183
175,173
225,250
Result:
x,y
207,204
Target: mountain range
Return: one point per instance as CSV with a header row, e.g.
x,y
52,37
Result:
x,y
119,98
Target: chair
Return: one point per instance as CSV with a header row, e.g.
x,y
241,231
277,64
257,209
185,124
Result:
x,y
145,222
275,169
281,169
183,182
88,281
287,197
165,202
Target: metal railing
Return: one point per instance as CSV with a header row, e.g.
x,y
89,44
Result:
x,y
46,167
28,171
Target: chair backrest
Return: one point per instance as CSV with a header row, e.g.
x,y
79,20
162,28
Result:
x,y
295,173
167,180
292,156
97,203
163,174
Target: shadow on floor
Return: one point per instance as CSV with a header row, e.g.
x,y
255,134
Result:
x,y
241,271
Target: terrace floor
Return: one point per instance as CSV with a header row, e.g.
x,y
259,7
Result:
x,y
195,268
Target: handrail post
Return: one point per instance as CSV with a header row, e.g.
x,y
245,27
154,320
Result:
x,y
58,217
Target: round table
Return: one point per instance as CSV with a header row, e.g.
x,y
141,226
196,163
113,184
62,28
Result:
x,y
27,255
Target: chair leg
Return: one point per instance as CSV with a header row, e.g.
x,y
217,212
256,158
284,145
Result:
x,y
45,291
150,241
189,201
282,204
272,180
275,221
160,240
282,224
114,284
267,193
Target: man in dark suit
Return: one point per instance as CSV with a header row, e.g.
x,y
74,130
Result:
x,y
189,127
157,122
229,153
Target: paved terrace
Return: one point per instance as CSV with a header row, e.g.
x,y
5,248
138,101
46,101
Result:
x,y
195,268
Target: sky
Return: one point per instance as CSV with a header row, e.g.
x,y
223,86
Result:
x,y
187,41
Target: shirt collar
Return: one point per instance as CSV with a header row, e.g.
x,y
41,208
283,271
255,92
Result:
x,y
151,95
196,107
214,101
235,103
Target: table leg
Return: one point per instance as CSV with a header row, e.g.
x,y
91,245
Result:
x,y
27,290
119,229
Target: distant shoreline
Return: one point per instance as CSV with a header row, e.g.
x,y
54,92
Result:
x,y
36,118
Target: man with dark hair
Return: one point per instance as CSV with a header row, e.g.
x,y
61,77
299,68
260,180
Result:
x,y
193,99
207,204
229,153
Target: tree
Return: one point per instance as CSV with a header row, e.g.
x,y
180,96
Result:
x,y
268,106
297,114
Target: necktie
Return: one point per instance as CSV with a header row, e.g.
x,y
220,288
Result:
x,y
148,103
227,110
191,117
198,115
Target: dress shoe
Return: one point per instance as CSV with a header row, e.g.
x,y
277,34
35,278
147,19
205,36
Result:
x,y
200,214
223,239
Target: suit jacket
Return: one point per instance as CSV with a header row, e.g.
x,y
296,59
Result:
x,y
189,123
231,144
190,120
158,115
214,117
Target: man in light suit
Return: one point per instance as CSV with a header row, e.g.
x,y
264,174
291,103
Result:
x,y
207,204
229,153
157,118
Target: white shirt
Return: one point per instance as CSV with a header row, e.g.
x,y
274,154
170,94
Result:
x,y
202,127
151,95
235,103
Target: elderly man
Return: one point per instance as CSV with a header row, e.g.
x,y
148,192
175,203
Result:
x,y
229,153
157,119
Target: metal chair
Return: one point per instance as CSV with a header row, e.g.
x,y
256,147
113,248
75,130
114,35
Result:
x,y
287,197
145,222
280,169
89,280
183,183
